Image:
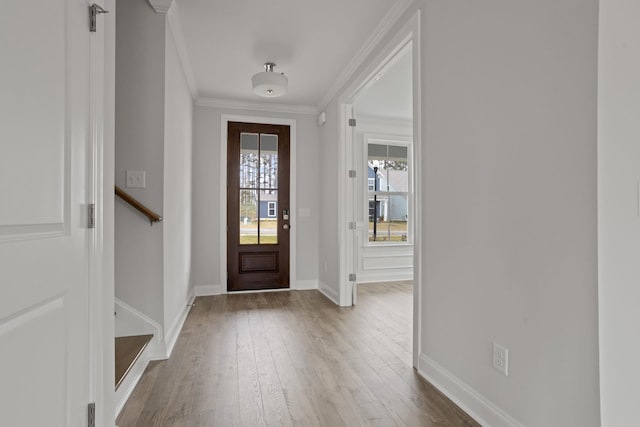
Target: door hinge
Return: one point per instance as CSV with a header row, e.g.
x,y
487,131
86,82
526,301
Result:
x,y
94,10
352,123
352,225
352,277
91,414
352,173
91,216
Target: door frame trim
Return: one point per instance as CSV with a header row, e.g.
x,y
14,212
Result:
x,y
101,140
408,33
292,123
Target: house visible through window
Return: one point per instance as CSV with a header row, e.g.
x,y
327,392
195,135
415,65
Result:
x,y
271,209
389,192
372,184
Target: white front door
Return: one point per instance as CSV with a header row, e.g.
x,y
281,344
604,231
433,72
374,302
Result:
x,y
44,153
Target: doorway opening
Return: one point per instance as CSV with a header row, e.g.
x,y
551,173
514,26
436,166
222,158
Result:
x,y
382,157
380,206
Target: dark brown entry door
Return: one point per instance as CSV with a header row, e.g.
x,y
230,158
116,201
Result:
x,y
257,206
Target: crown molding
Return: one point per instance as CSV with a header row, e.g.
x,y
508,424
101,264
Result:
x,y
230,104
175,28
383,28
161,6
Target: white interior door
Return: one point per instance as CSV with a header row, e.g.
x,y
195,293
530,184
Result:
x,y
44,137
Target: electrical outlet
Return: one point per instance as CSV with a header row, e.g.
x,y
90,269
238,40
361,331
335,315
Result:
x,y
501,359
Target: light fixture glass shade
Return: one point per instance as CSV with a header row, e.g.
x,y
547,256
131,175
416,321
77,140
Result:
x,y
268,83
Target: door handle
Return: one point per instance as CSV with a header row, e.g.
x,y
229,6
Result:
x,y
286,226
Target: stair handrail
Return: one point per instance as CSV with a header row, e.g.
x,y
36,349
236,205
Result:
x,y
153,217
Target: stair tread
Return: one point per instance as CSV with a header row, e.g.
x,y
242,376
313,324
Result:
x,y
128,349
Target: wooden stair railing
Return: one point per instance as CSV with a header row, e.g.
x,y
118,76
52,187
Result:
x,y
153,217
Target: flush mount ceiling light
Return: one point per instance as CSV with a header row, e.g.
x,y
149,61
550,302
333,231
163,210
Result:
x,y
268,83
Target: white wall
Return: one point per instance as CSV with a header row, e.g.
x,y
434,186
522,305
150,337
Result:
x,y
329,255
509,206
178,139
619,222
154,119
508,196
206,268
140,79
205,261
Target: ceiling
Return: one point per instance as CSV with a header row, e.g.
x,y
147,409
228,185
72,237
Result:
x,y
314,43
390,95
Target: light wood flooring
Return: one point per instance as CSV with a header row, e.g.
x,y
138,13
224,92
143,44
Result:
x,y
293,359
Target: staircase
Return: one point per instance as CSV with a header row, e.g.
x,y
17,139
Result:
x,y
128,350
138,341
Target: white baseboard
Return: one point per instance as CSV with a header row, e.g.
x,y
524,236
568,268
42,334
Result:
x,y
141,324
130,321
329,293
469,400
208,290
303,285
174,331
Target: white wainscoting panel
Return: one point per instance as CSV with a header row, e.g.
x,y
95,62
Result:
x,y
385,263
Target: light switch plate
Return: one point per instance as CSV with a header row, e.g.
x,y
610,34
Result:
x,y
136,179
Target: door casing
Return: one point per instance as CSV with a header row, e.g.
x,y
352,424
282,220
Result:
x,y
409,33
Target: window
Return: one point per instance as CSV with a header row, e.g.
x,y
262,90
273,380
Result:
x,y
388,190
258,188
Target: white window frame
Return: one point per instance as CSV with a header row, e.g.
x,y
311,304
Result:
x,y
271,206
397,140
371,182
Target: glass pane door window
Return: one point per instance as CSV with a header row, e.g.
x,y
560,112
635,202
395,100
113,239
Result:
x,y
258,189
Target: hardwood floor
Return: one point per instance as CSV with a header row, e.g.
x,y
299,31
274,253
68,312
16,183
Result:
x,y
293,359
